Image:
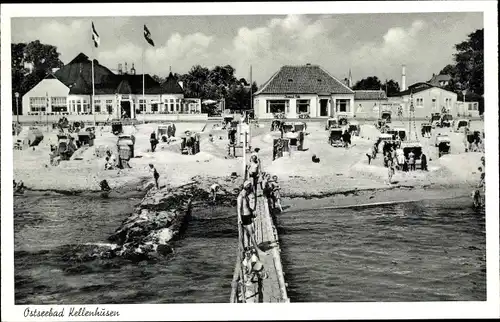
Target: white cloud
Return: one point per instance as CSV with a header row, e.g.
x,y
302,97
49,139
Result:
x,y
67,37
294,39
398,46
180,52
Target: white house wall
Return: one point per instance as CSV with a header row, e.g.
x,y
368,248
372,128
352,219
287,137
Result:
x,y
260,104
421,112
46,87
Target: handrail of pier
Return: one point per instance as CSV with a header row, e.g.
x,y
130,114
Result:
x,y
266,232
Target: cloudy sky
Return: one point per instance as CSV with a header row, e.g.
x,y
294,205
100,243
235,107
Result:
x,y
368,44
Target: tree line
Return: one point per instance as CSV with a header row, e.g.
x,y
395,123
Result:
x,y
31,62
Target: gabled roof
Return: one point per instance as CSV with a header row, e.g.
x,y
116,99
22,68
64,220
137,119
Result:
x,y
68,74
369,95
124,87
436,79
171,85
305,79
80,87
419,87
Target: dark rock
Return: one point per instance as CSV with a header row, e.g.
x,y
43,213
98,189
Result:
x,y
164,249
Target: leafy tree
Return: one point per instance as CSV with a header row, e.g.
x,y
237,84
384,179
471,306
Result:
x,y
391,86
369,83
467,72
159,79
239,97
40,58
470,63
374,83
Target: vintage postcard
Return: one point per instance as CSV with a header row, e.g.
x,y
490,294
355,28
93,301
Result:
x,y
332,154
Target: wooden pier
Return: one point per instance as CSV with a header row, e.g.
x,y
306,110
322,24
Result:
x,y
273,288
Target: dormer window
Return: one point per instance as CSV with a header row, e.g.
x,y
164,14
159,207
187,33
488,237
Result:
x,y
290,80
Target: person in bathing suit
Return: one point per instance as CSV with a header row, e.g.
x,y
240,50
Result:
x,y
246,215
253,171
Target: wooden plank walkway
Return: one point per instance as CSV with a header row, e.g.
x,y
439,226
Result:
x,y
273,288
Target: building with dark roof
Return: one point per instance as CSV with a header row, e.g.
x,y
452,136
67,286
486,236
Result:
x,y
440,80
305,89
123,94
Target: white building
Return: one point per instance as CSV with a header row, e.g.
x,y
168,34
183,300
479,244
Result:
x,y
68,91
309,89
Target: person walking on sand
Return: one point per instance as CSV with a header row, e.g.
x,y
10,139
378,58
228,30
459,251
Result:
x,y
369,154
153,141
156,175
213,190
390,171
411,160
246,214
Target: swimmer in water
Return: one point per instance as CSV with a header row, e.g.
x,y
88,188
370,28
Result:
x,y
246,214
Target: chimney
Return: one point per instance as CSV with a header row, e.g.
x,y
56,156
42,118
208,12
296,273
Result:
x,y
126,71
181,84
120,71
403,78
132,70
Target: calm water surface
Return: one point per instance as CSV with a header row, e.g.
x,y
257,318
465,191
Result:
x,y
408,252
421,251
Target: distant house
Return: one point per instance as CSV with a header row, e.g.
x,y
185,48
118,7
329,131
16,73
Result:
x,y
426,99
68,90
440,80
369,104
310,89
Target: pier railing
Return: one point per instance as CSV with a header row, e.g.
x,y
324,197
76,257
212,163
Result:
x,y
273,288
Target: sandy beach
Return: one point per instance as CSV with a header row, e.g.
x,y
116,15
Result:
x,y
343,172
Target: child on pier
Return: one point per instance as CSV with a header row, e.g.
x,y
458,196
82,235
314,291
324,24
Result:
x,y
246,214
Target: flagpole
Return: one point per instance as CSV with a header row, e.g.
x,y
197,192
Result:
x,y
93,89
143,98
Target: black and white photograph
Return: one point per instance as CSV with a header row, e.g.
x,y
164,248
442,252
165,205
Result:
x,y
269,153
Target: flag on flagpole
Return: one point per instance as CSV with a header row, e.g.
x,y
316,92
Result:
x,y
95,37
147,36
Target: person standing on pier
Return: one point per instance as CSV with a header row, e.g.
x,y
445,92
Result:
x,y
246,214
253,171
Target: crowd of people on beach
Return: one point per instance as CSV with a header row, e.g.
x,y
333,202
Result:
x,y
394,159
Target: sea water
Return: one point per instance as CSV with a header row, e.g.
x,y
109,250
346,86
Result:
x,y
404,252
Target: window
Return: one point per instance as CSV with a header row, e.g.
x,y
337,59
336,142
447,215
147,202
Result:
x,y
142,105
342,105
472,106
277,106
86,108
154,107
434,104
109,106
303,106
58,104
38,104
448,102
420,102
97,106
177,107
